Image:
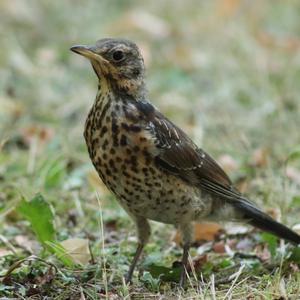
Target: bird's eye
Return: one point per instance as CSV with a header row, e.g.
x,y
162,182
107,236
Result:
x,y
118,55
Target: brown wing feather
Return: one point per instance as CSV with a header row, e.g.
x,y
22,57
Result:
x,y
182,157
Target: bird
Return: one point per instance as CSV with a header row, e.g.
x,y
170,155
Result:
x,y
153,168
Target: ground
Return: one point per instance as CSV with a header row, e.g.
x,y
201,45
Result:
x,y
227,71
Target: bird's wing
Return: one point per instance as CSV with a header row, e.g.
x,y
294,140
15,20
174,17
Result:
x,y
180,156
174,152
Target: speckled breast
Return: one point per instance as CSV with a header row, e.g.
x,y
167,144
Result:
x,y
121,152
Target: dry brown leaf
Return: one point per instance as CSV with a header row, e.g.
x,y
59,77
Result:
x,y
206,231
78,250
219,247
199,261
202,232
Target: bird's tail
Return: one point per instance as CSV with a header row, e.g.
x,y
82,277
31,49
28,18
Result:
x,y
259,219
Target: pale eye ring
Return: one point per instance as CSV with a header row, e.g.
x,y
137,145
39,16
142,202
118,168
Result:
x,y
118,55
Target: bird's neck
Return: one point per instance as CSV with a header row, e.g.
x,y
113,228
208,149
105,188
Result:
x,y
133,88
122,89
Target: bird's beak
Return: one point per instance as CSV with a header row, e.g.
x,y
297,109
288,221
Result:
x,y
88,52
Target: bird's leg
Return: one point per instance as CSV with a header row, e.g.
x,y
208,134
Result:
x,y
186,233
143,230
184,264
137,255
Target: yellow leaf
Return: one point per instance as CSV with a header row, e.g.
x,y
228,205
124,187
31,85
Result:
x,y
78,250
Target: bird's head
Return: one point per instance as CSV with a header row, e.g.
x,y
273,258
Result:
x,y
118,63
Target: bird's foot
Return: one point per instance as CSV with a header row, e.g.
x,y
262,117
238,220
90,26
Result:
x,y
182,280
128,278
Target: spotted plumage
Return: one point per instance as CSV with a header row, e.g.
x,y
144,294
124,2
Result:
x,y
154,169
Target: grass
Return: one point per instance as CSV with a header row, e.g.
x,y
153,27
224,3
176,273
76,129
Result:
x,y
226,71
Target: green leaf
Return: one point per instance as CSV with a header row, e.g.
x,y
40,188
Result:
x,y
52,171
207,268
38,212
60,252
295,201
54,174
225,263
153,283
164,273
271,240
294,155
295,255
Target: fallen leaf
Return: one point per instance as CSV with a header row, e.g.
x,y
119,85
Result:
x,y
78,250
199,261
206,247
201,232
245,245
236,228
219,247
60,252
